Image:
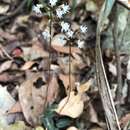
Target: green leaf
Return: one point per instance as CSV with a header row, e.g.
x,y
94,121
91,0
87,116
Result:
x,y
61,123
49,124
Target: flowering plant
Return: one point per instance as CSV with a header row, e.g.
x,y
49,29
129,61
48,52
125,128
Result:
x,y
58,12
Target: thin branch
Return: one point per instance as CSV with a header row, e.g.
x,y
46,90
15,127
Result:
x,y
125,4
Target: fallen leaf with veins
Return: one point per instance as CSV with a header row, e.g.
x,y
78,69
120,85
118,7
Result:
x,y
32,98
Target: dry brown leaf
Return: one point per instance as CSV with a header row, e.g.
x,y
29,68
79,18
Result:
x,y
6,65
93,114
6,77
32,98
71,106
66,50
34,52
27,65
65,80
72,128
84,87
65,64
15,108
53,89
7,35
59,40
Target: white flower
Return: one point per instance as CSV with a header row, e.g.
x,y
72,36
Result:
x,y
65,8
46,34
80,44
36,9
59,13
53,2
83,29
69,33
39,6
112,69
65,26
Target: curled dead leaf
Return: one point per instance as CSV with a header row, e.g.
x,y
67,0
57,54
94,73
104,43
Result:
x,y
71,106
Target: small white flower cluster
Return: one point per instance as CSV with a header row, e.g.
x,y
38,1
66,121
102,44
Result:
x,y
65,27
52,2
62,10
37,8
80,43
83,29
46,34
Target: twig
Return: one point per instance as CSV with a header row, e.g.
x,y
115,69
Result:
x,y
103,85
105,92
69,78
49,75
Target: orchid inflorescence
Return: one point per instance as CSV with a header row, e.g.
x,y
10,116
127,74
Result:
x,y
59,12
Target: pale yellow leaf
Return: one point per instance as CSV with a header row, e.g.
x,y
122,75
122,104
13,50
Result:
x,y
84,87
72,128
71,106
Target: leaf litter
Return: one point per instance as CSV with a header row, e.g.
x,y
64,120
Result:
x,y
53,86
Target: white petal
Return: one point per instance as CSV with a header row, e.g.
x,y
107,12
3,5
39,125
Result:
x,y
36,9
70,33
52,2
80,44
65,26
59,13
65,8
83,29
